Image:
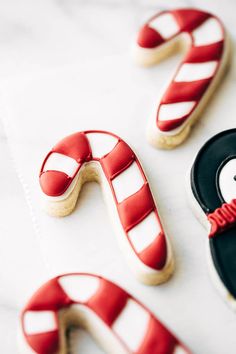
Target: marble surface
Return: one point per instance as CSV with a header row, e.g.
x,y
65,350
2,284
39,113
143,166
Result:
x,y
36,37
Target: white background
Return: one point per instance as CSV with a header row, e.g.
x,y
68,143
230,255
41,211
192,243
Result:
x,y
98,87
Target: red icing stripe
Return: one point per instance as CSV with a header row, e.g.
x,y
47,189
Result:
x,y
158,339
54,183
182,92
149,38
75,146
50,297
205,53
168,125
189,19
117,160
108,302
45,343
135,208
155,255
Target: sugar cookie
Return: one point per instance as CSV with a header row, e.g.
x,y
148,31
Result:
x,y
119,323
107,159
185,96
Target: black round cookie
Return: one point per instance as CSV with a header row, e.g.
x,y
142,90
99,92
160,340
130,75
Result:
x,y
205,184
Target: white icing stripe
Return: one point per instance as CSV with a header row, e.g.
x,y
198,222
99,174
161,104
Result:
x,y
132,324
175,110
128,182
179,350
39,322
143,234
196,71
79,288
208,33
227,183
101,144
63,163
166,25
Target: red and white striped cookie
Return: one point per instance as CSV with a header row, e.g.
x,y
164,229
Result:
x,y
196,77
119,323
105,158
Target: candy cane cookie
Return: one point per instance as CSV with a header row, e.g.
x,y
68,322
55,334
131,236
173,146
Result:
x,y
119,323
105,158
212,194
183,99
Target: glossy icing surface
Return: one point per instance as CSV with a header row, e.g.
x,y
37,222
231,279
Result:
x,y
199,66
222,218
128,185
207,186
137,329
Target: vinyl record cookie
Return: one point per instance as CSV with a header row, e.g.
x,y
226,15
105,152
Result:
x,y
195,79
213,197
105,158
119,323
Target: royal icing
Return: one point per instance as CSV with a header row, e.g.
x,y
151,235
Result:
x,y
199,67
222,218
131,195
227,180
225,216
135,328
